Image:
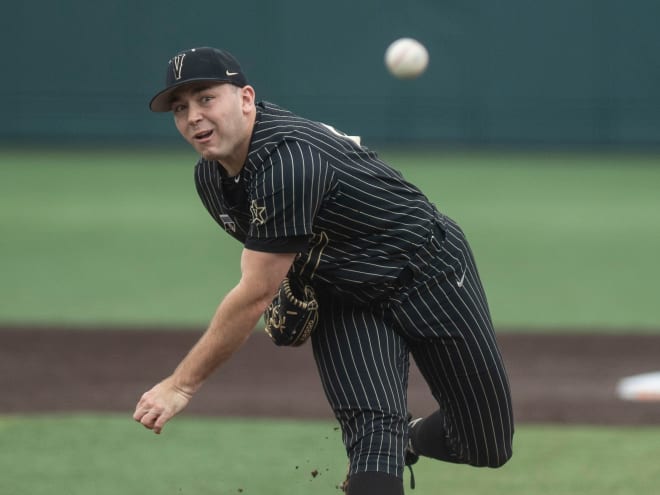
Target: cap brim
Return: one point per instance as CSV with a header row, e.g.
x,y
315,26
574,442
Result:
x,y
162,101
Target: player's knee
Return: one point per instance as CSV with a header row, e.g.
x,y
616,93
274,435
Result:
x,y
495,459
496,452
499,461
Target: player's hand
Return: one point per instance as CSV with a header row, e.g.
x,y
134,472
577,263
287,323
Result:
x,y
160,404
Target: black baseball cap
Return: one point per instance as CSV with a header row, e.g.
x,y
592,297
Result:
x,y
197,65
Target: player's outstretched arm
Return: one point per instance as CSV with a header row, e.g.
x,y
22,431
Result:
x,y
233,322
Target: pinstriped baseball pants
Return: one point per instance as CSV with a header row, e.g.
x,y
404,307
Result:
x,y
441,319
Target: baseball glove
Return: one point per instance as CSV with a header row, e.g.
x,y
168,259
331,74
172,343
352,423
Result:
x,y
293,314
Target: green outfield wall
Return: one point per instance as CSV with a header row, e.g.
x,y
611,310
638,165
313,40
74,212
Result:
x,y
501,72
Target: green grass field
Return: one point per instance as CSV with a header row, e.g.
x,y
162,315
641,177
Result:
x,y
121,237
565,240
106,455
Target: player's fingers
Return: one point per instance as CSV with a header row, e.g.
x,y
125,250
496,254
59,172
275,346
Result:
x,y
143,406
139,412
149,419
160,422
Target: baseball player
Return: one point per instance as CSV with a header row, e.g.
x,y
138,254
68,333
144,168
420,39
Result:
x,y
373,270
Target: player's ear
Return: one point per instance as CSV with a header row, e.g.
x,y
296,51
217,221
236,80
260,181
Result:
x,y
247,95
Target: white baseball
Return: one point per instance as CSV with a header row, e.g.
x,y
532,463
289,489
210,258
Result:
x,y
406,58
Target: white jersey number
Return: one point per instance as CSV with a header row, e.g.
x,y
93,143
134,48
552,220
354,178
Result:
x,y
355,139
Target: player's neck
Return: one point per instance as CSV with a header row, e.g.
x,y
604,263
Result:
x,y
234,164
232,169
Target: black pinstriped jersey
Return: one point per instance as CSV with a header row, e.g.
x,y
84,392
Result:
x,y
306,188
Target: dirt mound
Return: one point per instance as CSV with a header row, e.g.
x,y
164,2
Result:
x,y
555,377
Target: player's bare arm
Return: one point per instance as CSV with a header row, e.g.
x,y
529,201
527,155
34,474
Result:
x,y
230,327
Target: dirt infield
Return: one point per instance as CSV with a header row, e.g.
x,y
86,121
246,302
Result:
x,y
555,377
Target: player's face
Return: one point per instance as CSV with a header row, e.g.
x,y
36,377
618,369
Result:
x,y
216,120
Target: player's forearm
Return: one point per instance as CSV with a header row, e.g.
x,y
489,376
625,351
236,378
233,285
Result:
x,y
230,327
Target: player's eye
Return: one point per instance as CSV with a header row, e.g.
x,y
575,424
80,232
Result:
x,y
178,108
206,98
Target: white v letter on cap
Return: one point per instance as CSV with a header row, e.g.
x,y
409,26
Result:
x,y
178,65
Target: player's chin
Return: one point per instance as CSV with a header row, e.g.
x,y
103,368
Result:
x,y
205,150
209,154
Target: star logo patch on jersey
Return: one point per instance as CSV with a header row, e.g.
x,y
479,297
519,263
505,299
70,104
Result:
x,y
257,213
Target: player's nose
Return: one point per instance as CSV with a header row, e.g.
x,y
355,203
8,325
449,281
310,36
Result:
x,y
194,114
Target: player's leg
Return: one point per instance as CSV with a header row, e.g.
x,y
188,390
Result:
x,y
473,424
453,343
364,370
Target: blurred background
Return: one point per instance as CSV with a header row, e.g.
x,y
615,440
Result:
x,y
501,73
536,126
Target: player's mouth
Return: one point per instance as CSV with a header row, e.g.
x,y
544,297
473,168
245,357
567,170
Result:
x,y
203,136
